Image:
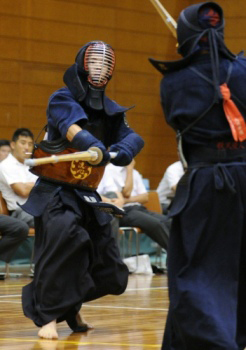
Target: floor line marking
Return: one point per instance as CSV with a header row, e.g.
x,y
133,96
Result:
x,y
152,288
103,306
127,290
124,307
10,301
148,346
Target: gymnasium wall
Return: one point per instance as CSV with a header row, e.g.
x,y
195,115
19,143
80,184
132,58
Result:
x,y
40,38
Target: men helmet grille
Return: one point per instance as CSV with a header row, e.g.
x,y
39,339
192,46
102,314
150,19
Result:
x,y
99,62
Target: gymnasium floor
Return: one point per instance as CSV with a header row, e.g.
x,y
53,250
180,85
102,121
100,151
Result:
x,y
134,320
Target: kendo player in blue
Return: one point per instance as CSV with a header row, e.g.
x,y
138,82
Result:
x,y
204,99
76,257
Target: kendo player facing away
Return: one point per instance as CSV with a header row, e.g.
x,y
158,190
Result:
x,y
76,258
204,99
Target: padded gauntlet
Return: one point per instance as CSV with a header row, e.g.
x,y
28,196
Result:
x,y
127,149
83,140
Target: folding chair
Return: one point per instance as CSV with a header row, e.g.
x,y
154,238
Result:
x,y
153,204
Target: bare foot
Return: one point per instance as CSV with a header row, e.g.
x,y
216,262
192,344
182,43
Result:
x,y
48,331
82,322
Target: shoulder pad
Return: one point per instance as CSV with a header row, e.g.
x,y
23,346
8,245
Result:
x,y
112,108
170,66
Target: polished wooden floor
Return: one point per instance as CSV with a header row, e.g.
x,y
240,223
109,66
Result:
x,y
134,320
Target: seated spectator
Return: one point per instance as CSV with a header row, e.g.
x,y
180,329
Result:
x,y
16,181
13,232
4,149
109,194
167,187
128,185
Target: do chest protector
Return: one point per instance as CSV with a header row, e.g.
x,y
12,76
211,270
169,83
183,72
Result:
x,y
76,173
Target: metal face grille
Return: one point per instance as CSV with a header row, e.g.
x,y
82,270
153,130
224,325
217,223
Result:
x,y
99,62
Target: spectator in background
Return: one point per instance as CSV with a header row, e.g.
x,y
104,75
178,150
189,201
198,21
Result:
x,y
127,182
16,181
4,149
167,187
13,232
109,194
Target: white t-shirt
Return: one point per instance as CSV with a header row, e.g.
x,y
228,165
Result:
x,y
114,181
12,171
171,177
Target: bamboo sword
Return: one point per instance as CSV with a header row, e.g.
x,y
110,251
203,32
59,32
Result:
x,y
93,156
167,18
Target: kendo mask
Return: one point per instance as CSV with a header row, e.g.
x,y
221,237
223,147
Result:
x,y
98,63
94,65
197,22
200,27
